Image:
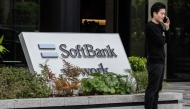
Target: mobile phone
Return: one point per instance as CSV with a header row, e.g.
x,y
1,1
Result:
x,y
165,20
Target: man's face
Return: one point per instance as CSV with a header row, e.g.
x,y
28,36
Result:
x,y
160,15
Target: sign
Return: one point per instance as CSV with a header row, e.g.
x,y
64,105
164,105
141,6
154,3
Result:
x,y
91,52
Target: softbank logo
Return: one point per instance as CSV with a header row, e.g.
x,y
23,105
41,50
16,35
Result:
x,y
86,51
50,53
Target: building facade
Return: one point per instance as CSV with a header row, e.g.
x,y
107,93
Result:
x,y
126,17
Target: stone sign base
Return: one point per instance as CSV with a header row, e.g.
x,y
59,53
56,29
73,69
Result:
x,y
167,100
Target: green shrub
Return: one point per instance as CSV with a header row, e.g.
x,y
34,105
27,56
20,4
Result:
x,y
110,83
137,63
20,83
139,72
141,78
3,50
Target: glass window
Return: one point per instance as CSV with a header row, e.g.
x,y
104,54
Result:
x,y
93,16
17,16
179,46
137,28
20,15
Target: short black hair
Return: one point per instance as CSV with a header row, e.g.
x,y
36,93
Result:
x,y
156,7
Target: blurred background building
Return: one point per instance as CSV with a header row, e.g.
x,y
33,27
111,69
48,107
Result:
x,y
126,17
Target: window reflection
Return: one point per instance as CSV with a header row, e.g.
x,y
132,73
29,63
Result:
x,y
93,16
16,16
179,46
20,15
137,28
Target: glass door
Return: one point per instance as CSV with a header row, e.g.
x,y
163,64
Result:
x,y
179,46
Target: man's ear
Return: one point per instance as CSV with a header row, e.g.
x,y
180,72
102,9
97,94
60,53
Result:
x,y
154,13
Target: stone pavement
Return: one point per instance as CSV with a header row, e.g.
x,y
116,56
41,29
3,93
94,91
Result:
x,y
181,87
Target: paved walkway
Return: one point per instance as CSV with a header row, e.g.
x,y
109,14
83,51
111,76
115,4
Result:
x,y
181,87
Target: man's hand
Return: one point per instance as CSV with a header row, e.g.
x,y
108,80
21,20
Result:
x,y
163,34
167,24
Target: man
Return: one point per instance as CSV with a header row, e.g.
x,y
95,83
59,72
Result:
x,y
156,37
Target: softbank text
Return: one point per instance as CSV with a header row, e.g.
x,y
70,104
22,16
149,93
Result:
x,y
87,51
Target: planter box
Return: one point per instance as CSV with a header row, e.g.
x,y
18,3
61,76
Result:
x,y
167,100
